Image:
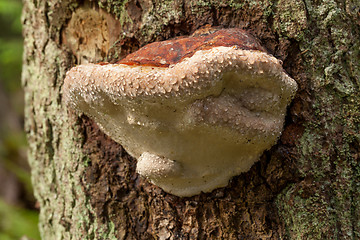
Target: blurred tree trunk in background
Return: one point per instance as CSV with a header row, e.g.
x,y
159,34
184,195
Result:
x,y
12,139
17,215
9,187
305,187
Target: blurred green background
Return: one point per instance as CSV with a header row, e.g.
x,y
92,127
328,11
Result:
x,y
18,213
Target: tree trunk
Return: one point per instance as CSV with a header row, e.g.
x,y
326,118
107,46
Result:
x,y
306,187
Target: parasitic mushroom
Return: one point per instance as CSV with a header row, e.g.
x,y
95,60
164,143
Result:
x,y
195,111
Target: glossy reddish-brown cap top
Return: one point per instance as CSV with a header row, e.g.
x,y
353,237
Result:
x,y
165,53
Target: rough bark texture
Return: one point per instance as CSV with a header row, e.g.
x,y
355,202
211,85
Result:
x,y
305,187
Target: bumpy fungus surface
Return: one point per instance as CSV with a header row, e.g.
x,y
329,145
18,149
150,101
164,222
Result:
x,y
194,111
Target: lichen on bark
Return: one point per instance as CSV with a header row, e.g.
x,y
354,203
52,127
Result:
x,y
54,142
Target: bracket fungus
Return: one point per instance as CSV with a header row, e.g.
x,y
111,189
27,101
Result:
x,y
195,111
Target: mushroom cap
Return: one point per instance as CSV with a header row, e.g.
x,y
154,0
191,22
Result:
x,y
193,119
166,53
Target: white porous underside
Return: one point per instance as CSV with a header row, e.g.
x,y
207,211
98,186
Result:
x,y
193,125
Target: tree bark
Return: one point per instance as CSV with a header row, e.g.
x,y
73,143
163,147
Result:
x,y
306,187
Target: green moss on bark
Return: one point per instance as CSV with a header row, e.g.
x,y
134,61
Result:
x,y
328,162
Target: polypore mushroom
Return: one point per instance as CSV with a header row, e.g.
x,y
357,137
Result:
x,y
194,111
